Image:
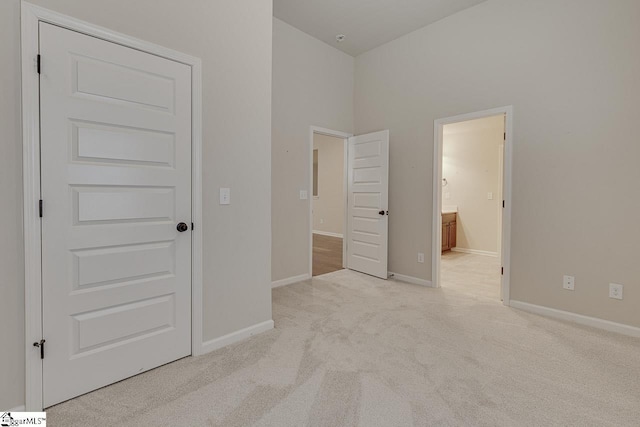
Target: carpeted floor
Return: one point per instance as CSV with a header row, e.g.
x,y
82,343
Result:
x,y
352,350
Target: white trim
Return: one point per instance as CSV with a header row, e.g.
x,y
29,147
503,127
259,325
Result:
x,y
500,195
475,252
290,280
436,233
31,15
236,336
337,134
593,322
20,408
197,237
410,279
327,233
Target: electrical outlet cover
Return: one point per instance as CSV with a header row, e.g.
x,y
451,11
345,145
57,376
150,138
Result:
x,y
615,290
568,283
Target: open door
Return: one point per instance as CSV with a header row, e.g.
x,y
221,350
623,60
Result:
x,y
368,214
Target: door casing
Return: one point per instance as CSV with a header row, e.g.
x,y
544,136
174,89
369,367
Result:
x,y
31,15
436,233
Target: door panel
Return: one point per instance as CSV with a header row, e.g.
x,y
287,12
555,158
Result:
x,y
367,229
116,179
121,145
104,266
94,78
113,204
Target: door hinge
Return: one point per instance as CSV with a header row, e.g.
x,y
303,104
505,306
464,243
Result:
x,y
505,136
40,208
38,63
41,346
191,226
503,203
502,271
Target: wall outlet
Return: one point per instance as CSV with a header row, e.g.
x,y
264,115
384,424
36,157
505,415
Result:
x,y
420,257
303,195
447,195
568,283
489,195
615,291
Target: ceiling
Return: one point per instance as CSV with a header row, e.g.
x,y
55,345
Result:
x,y
366,23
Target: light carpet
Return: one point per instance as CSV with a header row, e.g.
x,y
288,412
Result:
x,y
352,350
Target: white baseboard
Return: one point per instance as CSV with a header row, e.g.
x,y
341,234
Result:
x,y
236,336
327,233
475,252
20,408
290,280
577,318
410,279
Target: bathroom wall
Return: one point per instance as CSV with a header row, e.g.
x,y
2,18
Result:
x,y
471,165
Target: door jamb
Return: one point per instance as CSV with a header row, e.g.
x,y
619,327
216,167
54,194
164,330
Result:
x,y
345,136
505,249
31,15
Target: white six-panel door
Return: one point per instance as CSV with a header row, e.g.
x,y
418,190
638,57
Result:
x,y
116,180
367,215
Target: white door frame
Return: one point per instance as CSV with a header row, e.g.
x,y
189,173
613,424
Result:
x,y
31,15
505,250
343,135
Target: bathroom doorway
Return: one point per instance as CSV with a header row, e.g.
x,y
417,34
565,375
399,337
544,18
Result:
x,y
472,172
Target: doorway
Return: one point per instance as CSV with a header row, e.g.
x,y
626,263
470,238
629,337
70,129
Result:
x,y
366,201
112,164
328,201
472,170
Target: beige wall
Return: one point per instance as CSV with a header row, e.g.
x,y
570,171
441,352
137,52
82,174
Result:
x,y
471,166
11,249
312,86
570,69
328,207
234,41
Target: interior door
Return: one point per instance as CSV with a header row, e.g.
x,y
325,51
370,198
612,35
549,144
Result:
x,y
116,181
368,209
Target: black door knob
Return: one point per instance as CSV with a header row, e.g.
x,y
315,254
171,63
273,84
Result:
x,y
381,212
182,227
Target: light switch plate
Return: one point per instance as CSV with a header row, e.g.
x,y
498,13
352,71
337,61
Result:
x,y
303,195
489,196
225,196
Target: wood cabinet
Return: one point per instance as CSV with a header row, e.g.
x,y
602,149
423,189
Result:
x,y
449,231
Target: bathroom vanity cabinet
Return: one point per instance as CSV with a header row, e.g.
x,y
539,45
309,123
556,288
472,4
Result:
x,y
449,231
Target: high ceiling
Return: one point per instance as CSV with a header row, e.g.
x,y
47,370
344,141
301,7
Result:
x,y
365,23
